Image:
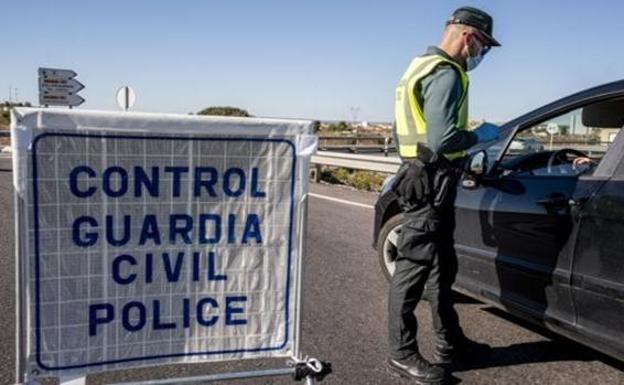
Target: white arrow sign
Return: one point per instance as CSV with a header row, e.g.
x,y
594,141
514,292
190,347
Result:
x,y
60,99
57,87
56,72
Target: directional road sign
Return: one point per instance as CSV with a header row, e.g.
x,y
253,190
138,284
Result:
x,y
55,72
57,87
60,99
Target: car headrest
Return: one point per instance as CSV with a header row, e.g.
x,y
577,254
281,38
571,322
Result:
x,y
607,114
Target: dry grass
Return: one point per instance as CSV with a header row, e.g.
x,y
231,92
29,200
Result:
x,y
361,180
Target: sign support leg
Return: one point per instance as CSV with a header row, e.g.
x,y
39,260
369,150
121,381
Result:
x,y
307,369
20,294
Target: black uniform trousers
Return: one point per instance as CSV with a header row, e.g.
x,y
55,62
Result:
x,y
426,255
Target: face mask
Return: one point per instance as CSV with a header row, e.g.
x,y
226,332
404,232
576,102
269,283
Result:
x,y
473,61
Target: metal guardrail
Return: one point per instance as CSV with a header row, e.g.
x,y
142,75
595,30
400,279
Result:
x,y
358,162
355,144
592,150
391,164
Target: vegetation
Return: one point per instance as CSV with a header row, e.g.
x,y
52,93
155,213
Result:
x,y
361,180
5,112
5,119
224,111
337,127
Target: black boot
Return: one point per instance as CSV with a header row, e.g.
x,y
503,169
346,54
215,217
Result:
x,y
464,350
419,369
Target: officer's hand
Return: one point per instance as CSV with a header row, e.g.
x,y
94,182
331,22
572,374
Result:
x,y
413,186
487,132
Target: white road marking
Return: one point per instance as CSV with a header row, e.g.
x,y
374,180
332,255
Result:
x,y
341,201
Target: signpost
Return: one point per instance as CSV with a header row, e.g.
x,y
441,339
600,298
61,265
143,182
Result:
x,y
154,239
57,87
552,129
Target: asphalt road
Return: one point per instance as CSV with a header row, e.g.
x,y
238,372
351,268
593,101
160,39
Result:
x,y
344,314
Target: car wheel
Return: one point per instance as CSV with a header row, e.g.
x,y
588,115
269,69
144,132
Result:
x,y
387,244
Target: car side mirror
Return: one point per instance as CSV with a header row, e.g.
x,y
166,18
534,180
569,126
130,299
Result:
x,y
475,168
478,163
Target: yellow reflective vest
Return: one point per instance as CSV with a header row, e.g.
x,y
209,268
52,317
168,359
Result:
x,y
410,123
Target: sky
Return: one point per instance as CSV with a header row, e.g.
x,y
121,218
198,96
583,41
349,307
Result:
x,y
322,59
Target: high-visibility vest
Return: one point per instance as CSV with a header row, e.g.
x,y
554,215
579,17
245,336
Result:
x,y
410,123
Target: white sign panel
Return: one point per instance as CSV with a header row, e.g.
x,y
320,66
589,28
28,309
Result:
x,y
58,85
57,73
158,238
60,99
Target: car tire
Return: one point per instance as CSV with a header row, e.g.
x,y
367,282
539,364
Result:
x,y
386,244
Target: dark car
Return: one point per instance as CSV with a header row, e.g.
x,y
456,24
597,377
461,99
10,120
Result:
x,y
540,232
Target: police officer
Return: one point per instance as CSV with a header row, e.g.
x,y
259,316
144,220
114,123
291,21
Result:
x,y
431,117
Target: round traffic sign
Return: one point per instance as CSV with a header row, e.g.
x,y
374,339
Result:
x,y
126,97
552,128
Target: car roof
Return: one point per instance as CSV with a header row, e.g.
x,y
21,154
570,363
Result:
x,y
607,90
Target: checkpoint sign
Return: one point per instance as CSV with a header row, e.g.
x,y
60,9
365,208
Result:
x,y
158,247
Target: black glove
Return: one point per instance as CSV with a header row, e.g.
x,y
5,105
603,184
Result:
x,y
412,183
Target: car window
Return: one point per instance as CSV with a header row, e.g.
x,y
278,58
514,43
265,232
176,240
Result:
x,y
493,148
566,145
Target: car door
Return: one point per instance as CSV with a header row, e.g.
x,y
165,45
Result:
x,y
516,235
598,265
512,242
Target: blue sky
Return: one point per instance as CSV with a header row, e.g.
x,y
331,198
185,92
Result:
x,y
314,59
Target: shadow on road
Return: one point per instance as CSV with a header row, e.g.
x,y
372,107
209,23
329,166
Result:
x,y
462,299
557,348
527,353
